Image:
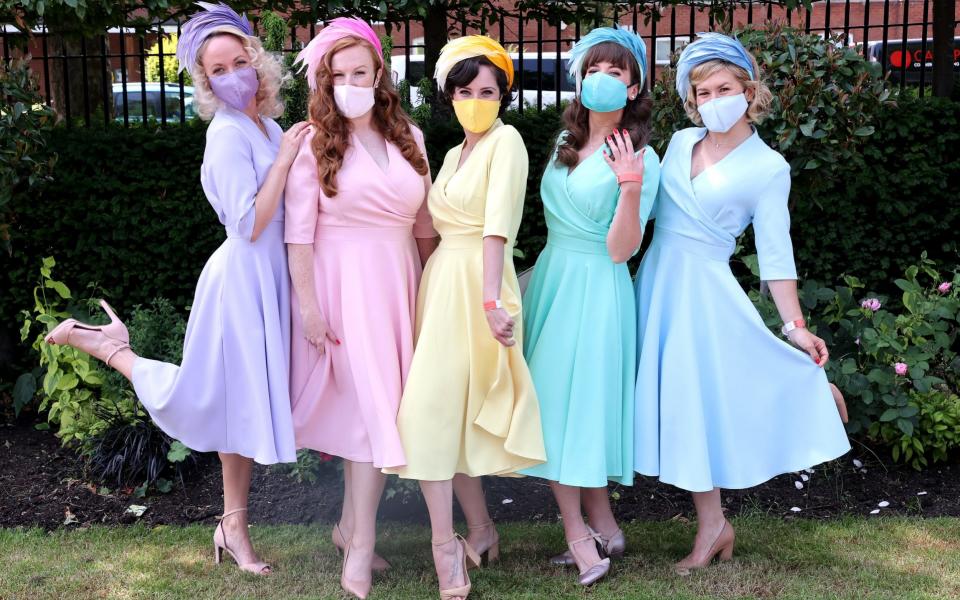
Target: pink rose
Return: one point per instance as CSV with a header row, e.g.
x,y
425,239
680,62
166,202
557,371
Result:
x,y
944,287
900,368
871,303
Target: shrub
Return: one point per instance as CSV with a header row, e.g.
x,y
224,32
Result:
x,y
94,408
895,359
25,159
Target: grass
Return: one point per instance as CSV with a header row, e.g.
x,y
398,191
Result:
x,y
877,558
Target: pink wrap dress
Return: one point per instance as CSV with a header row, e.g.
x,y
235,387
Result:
x,y
366,270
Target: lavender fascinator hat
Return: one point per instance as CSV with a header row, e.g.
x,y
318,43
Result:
x,y
212,19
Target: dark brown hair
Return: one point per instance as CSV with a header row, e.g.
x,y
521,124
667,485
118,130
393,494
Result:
x,y
465,71
636,114
333,129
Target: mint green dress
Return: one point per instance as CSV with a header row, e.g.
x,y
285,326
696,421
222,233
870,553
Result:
x,y
579,318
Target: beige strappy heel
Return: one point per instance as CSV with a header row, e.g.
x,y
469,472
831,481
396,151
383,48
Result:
x,y
491,553
115,332
220,544
589,573
470,559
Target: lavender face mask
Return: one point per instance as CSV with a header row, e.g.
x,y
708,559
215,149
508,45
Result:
x,y
237,88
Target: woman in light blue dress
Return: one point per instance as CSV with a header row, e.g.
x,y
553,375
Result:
x,y
721,401
579,313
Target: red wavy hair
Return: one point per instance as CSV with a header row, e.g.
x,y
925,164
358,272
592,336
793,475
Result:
x,y
333,129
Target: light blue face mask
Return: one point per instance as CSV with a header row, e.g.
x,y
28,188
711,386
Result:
x,y
603,93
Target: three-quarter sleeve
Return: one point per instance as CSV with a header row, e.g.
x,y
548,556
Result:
x,y
302,196
230,179
651,184
423,225
506,185
771,228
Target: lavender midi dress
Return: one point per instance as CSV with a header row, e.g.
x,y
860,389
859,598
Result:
x,y
231,392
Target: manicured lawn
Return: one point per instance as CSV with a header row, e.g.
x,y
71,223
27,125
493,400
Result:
x,y
876,558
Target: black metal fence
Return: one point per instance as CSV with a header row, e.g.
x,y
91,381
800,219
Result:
x,y
104,78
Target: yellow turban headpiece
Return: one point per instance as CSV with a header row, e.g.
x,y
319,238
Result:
x,y
468,47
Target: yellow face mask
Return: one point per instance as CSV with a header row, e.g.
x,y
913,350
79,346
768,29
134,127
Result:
x,y
476,116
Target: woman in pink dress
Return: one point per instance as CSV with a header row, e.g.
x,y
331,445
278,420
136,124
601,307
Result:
x,y
357,232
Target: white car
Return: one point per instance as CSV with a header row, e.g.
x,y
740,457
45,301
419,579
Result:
x,y
171,99
545,78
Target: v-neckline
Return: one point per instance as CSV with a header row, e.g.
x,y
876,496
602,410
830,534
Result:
x,y
357,141
716,164
571,171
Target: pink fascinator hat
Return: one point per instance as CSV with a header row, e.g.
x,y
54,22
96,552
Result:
x,y
312,55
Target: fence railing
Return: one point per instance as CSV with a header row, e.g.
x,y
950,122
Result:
x,y
104,78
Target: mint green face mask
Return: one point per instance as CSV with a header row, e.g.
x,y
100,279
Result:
x,y
603,93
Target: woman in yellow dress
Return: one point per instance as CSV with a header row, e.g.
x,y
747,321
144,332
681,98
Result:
x,y
469,406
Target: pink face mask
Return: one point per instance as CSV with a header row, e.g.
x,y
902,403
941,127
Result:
x,y
353,101
237,88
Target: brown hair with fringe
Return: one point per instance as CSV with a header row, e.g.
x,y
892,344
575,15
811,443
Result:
x,y
636,114
333,129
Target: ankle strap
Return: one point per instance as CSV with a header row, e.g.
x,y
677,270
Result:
x,y
480,526
444,543
232,512
591,535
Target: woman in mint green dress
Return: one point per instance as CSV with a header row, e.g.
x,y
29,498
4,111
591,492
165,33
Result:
x,y
579,311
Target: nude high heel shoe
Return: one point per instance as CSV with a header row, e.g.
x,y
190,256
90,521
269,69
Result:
x,y
340,542
722,547
360,589
491,553
614,547
220,544
589,573
469,559
115,332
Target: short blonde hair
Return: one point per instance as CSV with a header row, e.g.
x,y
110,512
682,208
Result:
x,y
269,70
759,106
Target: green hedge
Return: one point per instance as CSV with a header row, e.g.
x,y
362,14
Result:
x,y
125,210
895,200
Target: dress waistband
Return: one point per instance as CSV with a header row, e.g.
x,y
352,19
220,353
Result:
x,y
569,242
463,241
376,234
672,239
272,227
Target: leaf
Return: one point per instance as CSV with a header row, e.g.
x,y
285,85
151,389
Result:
x,y
59,287
905,426
889,415
164,485
23,391
136,510
178,452
864,131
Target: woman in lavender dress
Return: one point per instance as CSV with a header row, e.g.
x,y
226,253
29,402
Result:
x,y
230,394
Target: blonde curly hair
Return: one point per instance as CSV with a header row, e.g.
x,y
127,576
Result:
x,y
269,70
759,105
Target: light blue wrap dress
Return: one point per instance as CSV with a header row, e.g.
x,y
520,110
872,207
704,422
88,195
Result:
x,y
579,321
722,401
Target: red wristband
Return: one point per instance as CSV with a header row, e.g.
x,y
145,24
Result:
x,y
492,304
632,177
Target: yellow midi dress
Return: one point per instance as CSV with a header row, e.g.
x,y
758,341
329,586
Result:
x,y
469,404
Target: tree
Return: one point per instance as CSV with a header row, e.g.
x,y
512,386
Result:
x,y
170,64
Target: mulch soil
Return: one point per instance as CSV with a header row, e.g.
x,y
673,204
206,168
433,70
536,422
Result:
x,y
43,485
